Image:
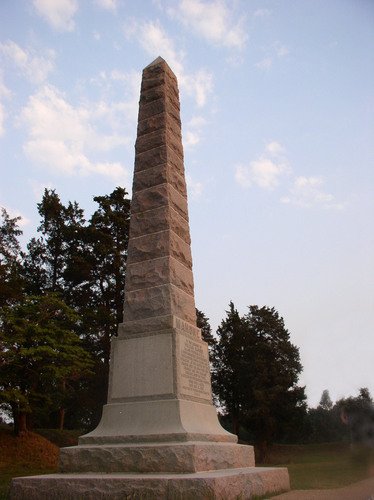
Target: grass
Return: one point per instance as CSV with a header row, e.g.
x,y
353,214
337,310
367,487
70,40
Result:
x,y
322,466
26,455
310,466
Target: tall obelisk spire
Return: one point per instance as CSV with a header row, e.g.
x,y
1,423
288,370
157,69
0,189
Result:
x,y
159,281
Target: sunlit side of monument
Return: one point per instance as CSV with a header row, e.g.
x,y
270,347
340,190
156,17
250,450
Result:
x,y
159,436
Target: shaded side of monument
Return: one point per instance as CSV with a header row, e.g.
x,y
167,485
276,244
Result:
x,y
159,436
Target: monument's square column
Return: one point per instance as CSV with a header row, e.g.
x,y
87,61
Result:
x,y
159,436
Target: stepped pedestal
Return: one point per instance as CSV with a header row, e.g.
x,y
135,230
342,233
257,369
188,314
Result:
x,y
159,436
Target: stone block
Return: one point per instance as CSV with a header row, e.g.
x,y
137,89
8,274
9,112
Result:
x,y
159,122
161,155
155,458
162,195
158,421
157,301
157,245
151,358
159,219
156,107
152,140
232,484
159,175
156,324
160,271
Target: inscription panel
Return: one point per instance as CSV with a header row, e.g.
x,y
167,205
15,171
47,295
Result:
x,y
194,371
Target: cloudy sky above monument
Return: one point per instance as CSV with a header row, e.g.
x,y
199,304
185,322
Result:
x,y
278,124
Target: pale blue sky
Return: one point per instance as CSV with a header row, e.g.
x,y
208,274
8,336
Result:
x,y
278,126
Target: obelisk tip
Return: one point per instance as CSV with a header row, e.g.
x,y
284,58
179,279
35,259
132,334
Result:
x,y
156,61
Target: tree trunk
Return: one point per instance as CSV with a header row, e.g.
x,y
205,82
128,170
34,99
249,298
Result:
x,y
61,418
22,423
235,424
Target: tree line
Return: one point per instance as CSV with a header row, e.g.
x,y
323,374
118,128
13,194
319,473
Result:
x,y
61,300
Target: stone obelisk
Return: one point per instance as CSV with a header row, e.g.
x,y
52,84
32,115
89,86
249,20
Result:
x,y
159,436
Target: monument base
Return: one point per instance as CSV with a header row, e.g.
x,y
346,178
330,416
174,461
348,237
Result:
x,y
230,484
156,458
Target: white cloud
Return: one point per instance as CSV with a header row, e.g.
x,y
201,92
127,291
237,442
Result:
x,y
58,13
35,67
2,119
276,51
4,93
275,148
308,192
63,138
39,187
156,42
195,188
265,64
107,4
212,20
262,13
194,127
264,172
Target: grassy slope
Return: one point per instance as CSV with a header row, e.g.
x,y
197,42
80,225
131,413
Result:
x,y
329,465
23,456
310,466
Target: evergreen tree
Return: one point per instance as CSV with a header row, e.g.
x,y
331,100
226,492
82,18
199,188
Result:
x,y
255,375
325,402
11,283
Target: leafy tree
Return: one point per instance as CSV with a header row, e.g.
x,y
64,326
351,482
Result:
x,y
202,322
11,283
256,369
325,402
40,354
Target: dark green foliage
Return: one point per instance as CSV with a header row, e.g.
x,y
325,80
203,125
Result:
x,y
255,375
40,355
11,283
206,331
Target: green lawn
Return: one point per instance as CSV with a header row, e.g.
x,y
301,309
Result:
x,y
328,465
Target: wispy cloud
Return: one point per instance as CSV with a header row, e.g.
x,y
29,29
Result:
x,y
195,188
212,20
110,5
276,51
35,67
4,94
156,42
262,13
266,171
62,137
308,192
59,14
193,133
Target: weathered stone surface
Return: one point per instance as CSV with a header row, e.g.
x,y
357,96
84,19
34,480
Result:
x,y
157,301
159,138
175,457
157,420
147,326
160,219
159,121
158,196
230,484
157,245
160,106
159,175
165,270
161,155
151,358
